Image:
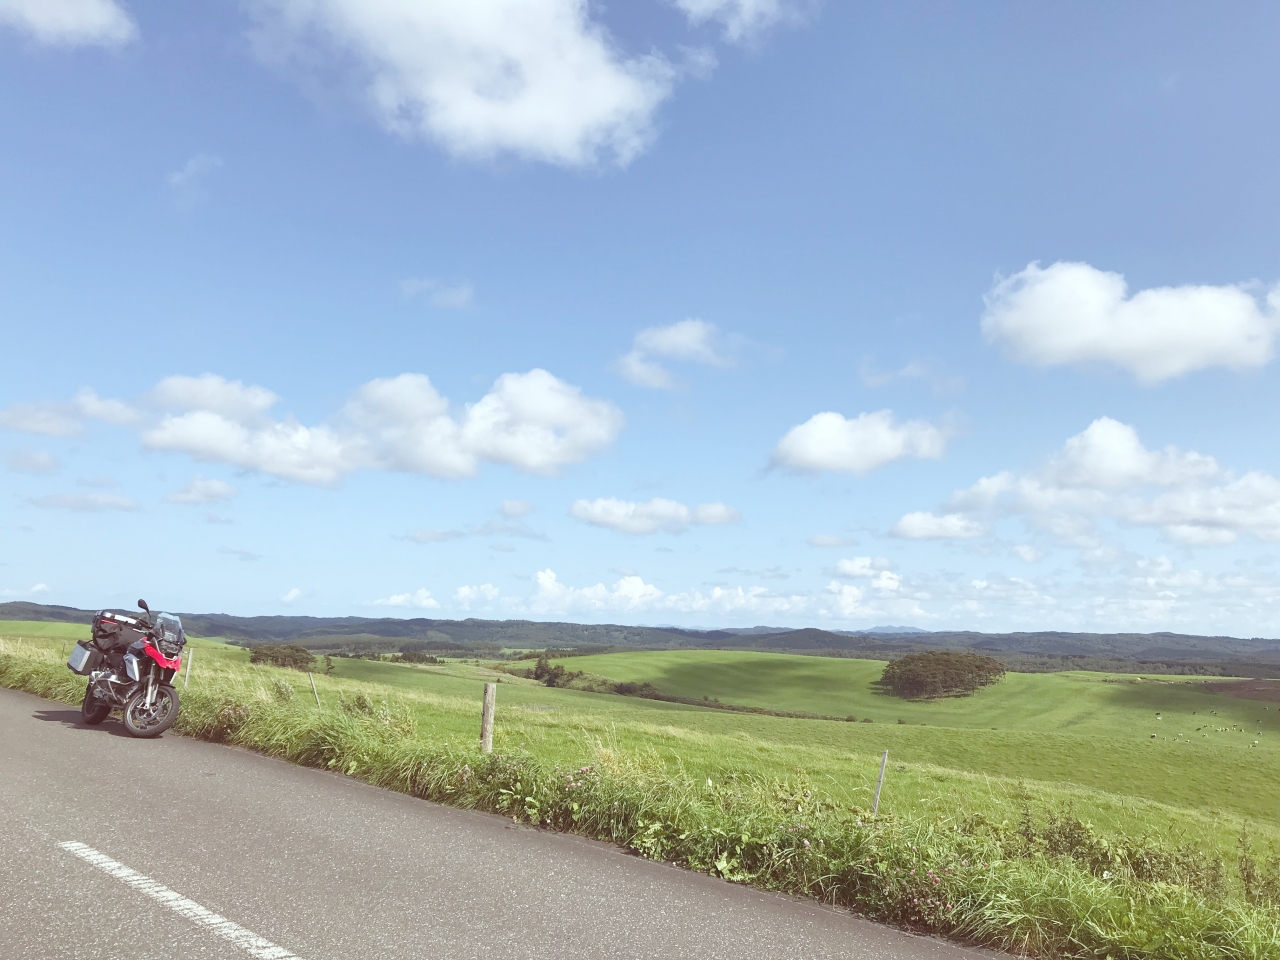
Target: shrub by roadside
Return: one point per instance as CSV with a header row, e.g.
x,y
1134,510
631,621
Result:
x,y
1047,885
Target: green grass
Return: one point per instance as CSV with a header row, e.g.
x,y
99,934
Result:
x,y
779,803
1082,729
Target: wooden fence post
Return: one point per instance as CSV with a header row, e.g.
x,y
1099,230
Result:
x,y
186,677
875,808
314,693
486,717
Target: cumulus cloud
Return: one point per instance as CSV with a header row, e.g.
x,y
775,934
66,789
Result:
x,y
744,20
480,596
689,341
657,514
291,595
445,296
1074,313
875,569
927,526
67,419
1107,472
629,593
31,591
31,461
538,79
84,502
846,600
830,441
200,491
632,594
513,509
420,598
70,23
532,421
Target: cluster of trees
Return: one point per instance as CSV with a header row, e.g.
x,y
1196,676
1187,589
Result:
x,y
415,656
940,673
552,676
284,655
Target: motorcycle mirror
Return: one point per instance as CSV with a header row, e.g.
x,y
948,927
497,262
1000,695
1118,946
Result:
x,y
143,605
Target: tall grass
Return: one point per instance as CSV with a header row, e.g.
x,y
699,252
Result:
x,y
1047,885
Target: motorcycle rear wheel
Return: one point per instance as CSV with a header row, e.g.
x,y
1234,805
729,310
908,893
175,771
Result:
x,y
146,722
93,711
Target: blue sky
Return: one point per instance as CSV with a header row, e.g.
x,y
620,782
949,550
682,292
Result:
x,y
704,312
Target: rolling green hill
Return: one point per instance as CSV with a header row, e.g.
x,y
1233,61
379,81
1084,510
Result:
x,y
1169,740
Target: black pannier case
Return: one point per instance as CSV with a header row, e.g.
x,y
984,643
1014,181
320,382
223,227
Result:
x,y
114,630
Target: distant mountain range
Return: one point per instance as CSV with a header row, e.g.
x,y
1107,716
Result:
x,y
1045,650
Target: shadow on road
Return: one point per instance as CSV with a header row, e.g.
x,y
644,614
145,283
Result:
x,y
72,719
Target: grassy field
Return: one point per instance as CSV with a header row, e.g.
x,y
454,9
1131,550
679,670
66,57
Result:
x,y
1078,741
1210,753
1083,739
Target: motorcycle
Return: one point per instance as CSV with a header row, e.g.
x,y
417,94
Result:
x,y
131,661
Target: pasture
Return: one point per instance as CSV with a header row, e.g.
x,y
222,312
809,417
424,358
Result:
x,y
1090,843
1052,739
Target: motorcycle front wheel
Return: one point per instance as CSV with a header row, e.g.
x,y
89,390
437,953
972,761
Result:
x,y
93,711
143,721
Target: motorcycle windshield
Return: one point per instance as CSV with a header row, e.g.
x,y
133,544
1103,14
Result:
x,y
169,635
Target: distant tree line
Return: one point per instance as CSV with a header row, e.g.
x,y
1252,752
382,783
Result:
x,y
940,673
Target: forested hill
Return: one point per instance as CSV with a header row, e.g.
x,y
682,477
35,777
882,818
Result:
x,y
1033,651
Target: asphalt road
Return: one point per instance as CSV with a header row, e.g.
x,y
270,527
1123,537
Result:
x,y
320,867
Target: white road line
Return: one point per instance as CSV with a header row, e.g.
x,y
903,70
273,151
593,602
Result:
x,y
246,940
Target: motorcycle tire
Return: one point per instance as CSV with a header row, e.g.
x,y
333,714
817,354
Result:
x,y
146,722
93,711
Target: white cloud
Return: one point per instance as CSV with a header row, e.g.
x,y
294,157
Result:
x,y
538,423
512,509
1074,313
532,421
189,176
847,600
481,596
84,503
1105,471
420,598
36,590
629,593
65,419
538,79
53,420
927,526
744,20
644,518
632,594
291,595
210,393
830,540
1024,551
689,341
200,490
70,23
444,296
31,461
435,536
874,569
829,441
